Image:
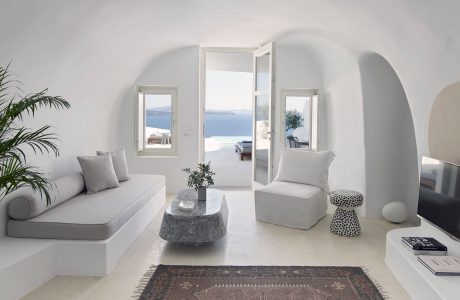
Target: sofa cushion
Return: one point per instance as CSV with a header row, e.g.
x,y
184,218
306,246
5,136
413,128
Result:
x,y
27,203
119,163
98,173
91,217
290,204
306,167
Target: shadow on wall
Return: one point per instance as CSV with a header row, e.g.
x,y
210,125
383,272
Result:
x,y
444,126
389,138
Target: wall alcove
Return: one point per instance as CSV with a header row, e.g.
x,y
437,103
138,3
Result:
x,y
444,125
389,138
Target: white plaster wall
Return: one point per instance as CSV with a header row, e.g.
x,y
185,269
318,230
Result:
x,y
229,61
294,68
389,138
340,109
91,52
341,123
178,68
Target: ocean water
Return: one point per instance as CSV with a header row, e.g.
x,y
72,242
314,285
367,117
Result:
x,y
163,122
215,125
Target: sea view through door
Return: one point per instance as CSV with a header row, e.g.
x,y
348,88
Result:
x,y
228,117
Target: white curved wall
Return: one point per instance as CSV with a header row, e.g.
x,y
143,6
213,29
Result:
x,y
294,68
92,52
340,108
389,138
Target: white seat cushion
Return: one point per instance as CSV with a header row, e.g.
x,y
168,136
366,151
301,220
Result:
x,y
290,204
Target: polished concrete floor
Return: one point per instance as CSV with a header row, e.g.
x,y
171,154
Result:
x,y
248,242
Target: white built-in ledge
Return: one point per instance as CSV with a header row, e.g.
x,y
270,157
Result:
x,y
25,264
416,279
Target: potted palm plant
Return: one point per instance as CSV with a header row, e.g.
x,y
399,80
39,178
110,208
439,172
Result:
x,y
200,179
15,172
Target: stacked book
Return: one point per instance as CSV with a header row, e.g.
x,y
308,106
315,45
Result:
x,y
441,265
433,255
424,246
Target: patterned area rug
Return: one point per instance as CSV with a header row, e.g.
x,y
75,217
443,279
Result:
x,y
257,282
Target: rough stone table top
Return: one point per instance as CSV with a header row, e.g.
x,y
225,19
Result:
x,y
206,223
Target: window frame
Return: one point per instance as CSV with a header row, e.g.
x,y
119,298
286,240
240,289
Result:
x,y
314,95
140,118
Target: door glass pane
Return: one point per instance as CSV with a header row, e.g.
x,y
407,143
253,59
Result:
x,y
158,121
297,121
263,72
262,138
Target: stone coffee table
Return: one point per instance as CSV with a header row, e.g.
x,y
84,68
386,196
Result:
x,y
206,223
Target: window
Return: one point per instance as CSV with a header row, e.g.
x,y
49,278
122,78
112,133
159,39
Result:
x,y
156,130
299,118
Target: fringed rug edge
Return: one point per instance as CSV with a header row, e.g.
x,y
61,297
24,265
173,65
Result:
x,y
379,287
143,282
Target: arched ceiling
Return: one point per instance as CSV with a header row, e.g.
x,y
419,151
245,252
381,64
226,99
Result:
x,y
90,48
134,32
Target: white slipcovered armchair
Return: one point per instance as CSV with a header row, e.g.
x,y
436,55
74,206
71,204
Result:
x,y
297,197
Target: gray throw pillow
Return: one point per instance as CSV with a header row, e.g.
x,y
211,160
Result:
x,y
119,163
98,173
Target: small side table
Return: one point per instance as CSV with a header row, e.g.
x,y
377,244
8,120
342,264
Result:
x,y
206,223
345,221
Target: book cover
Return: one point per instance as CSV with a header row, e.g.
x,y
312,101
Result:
x,y
441,265
422,252
424,243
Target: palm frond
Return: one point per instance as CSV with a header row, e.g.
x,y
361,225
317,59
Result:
x,y
14,171
29,105
40,141
14,175
7,83
12,110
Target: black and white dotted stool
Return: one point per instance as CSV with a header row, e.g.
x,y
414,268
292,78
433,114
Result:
x,y
345,221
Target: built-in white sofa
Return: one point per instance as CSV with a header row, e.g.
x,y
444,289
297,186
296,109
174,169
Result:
x,y
100,228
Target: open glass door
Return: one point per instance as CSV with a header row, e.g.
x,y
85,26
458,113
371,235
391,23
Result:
x,y
263,106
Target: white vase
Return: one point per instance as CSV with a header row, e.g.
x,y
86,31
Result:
x,y
395,212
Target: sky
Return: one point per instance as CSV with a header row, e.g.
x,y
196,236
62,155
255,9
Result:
x,y
228,90
296,102
153,101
